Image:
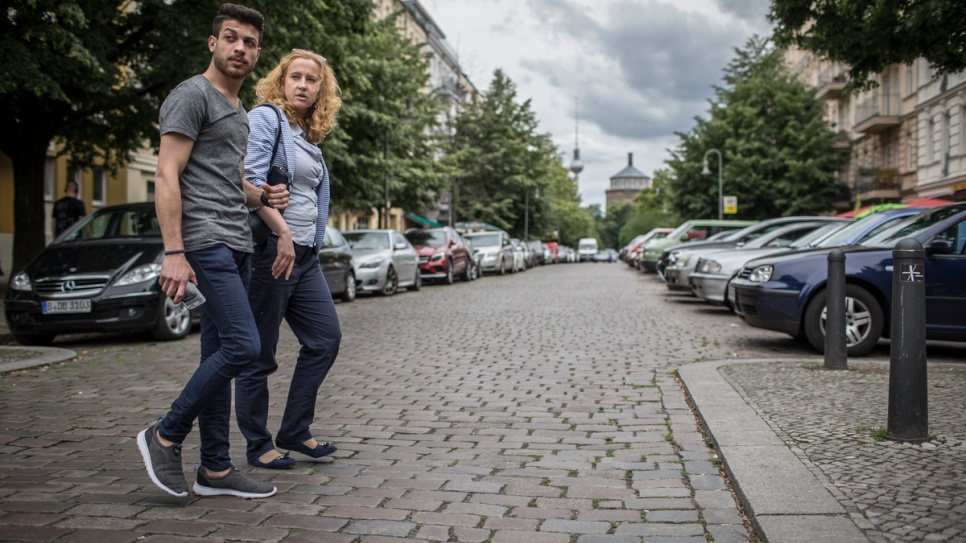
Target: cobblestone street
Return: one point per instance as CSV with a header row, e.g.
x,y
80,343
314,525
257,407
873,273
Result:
x,y
536,407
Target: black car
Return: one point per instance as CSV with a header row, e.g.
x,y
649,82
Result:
x,y
101,275
336,261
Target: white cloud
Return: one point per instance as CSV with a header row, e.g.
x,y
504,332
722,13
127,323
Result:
x,y
643,69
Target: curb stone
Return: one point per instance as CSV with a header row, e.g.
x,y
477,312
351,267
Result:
x,y
39,356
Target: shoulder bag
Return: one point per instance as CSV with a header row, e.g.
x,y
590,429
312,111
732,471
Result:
x,y
276,176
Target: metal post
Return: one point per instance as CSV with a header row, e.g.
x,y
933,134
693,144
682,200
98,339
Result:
x,y
835,350
526,218
385,177
908,406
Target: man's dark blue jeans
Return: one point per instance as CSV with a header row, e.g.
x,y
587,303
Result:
x,y
304,301
229,343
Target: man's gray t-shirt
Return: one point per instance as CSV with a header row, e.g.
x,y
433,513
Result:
x,y
212,198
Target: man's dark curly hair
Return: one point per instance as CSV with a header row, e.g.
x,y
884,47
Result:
x,y
235,12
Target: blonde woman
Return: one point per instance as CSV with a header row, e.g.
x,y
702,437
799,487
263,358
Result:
x,y
287,282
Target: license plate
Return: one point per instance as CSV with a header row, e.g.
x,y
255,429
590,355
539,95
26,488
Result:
x,y
66,306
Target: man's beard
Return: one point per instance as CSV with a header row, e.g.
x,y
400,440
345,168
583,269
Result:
x,y
223,66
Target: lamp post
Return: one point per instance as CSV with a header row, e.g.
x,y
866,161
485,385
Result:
x,y
706,171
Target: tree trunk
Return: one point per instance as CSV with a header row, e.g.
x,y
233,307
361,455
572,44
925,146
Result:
x,y
28,157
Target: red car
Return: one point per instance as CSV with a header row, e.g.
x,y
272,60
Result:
x,y
554,257
442,254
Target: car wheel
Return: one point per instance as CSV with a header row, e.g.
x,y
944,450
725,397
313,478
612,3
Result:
x,y
350,287
474,270
467,272
392,282
417,282
174,321
502,266
863,321
37,340
449,272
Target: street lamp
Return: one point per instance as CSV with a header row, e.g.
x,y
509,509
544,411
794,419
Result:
x,y
706,171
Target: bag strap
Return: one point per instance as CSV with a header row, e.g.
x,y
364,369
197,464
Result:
x,y
278,135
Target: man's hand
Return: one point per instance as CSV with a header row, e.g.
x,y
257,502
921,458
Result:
x,y
284,256
276,195
175,273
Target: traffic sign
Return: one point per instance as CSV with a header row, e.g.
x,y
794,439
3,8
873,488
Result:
x,y
731,204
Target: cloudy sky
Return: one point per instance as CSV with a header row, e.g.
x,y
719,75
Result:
x,y
641,69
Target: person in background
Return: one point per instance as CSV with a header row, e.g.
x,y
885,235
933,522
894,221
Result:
x,y
68,209
287,282
202,203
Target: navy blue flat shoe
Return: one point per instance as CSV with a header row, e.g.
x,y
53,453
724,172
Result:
x,y
320,451
282,462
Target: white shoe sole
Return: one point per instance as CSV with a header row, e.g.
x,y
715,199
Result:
x,y
146,456
208,491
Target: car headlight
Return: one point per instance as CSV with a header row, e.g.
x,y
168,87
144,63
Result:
x,y
682,259
490,256
437,256
370,264
710,266
21,281
147,272
761,274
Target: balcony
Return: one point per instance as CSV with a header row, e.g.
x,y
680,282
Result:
x,y
830,84
877,114
843,141
878,186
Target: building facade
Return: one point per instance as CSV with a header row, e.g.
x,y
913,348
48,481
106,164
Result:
x,y
625,184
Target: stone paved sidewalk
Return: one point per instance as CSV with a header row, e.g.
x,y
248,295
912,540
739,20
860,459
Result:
x,y
536,407
834,421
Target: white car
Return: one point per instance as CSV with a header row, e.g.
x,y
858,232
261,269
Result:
x,y
384,261
495,249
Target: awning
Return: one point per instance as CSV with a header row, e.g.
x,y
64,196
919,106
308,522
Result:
x,y
423,220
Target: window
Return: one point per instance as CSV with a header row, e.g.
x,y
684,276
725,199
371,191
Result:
x,y
947,134
50,167
74,174
909,152
930,148
99,186
910,80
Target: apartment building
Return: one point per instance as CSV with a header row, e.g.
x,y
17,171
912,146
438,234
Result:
x,y
906,137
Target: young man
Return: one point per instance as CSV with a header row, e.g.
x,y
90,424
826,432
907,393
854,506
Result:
x,y
68,209
202,202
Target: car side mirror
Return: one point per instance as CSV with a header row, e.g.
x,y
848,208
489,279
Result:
x,y
399,247
940,247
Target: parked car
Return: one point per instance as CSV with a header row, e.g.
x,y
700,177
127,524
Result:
x,y
442,254
519,255
496,251
384,261
476,259
101,275
786,293
637,241
335,258
736,238
540,252
586,249
714,268
529,258
692,230
777,234
553,247
606,255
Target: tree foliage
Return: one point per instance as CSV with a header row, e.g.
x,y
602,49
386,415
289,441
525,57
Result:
x,y
509,174
868,36
778,154
651,209
90,76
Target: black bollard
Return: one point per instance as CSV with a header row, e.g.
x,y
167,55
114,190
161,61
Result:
x,y
908,407
835,351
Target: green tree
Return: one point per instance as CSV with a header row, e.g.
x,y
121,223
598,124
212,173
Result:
x,y
90,76
651,209
501,158
609,226
868,36
778,154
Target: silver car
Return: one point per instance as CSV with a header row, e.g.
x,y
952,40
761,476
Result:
x,y
495,249
384,261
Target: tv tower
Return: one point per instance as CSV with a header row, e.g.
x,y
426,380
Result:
x,y
576,165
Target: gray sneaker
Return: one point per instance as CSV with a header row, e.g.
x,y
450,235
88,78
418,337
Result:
x,y
163,463
235,483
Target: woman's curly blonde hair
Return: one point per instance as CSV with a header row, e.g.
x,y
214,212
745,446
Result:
x,y
319,120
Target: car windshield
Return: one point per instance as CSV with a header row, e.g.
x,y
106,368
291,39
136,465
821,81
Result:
x,y
813,237
433,238
485,240
367,240
586,245
912,226
847,234
116,223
